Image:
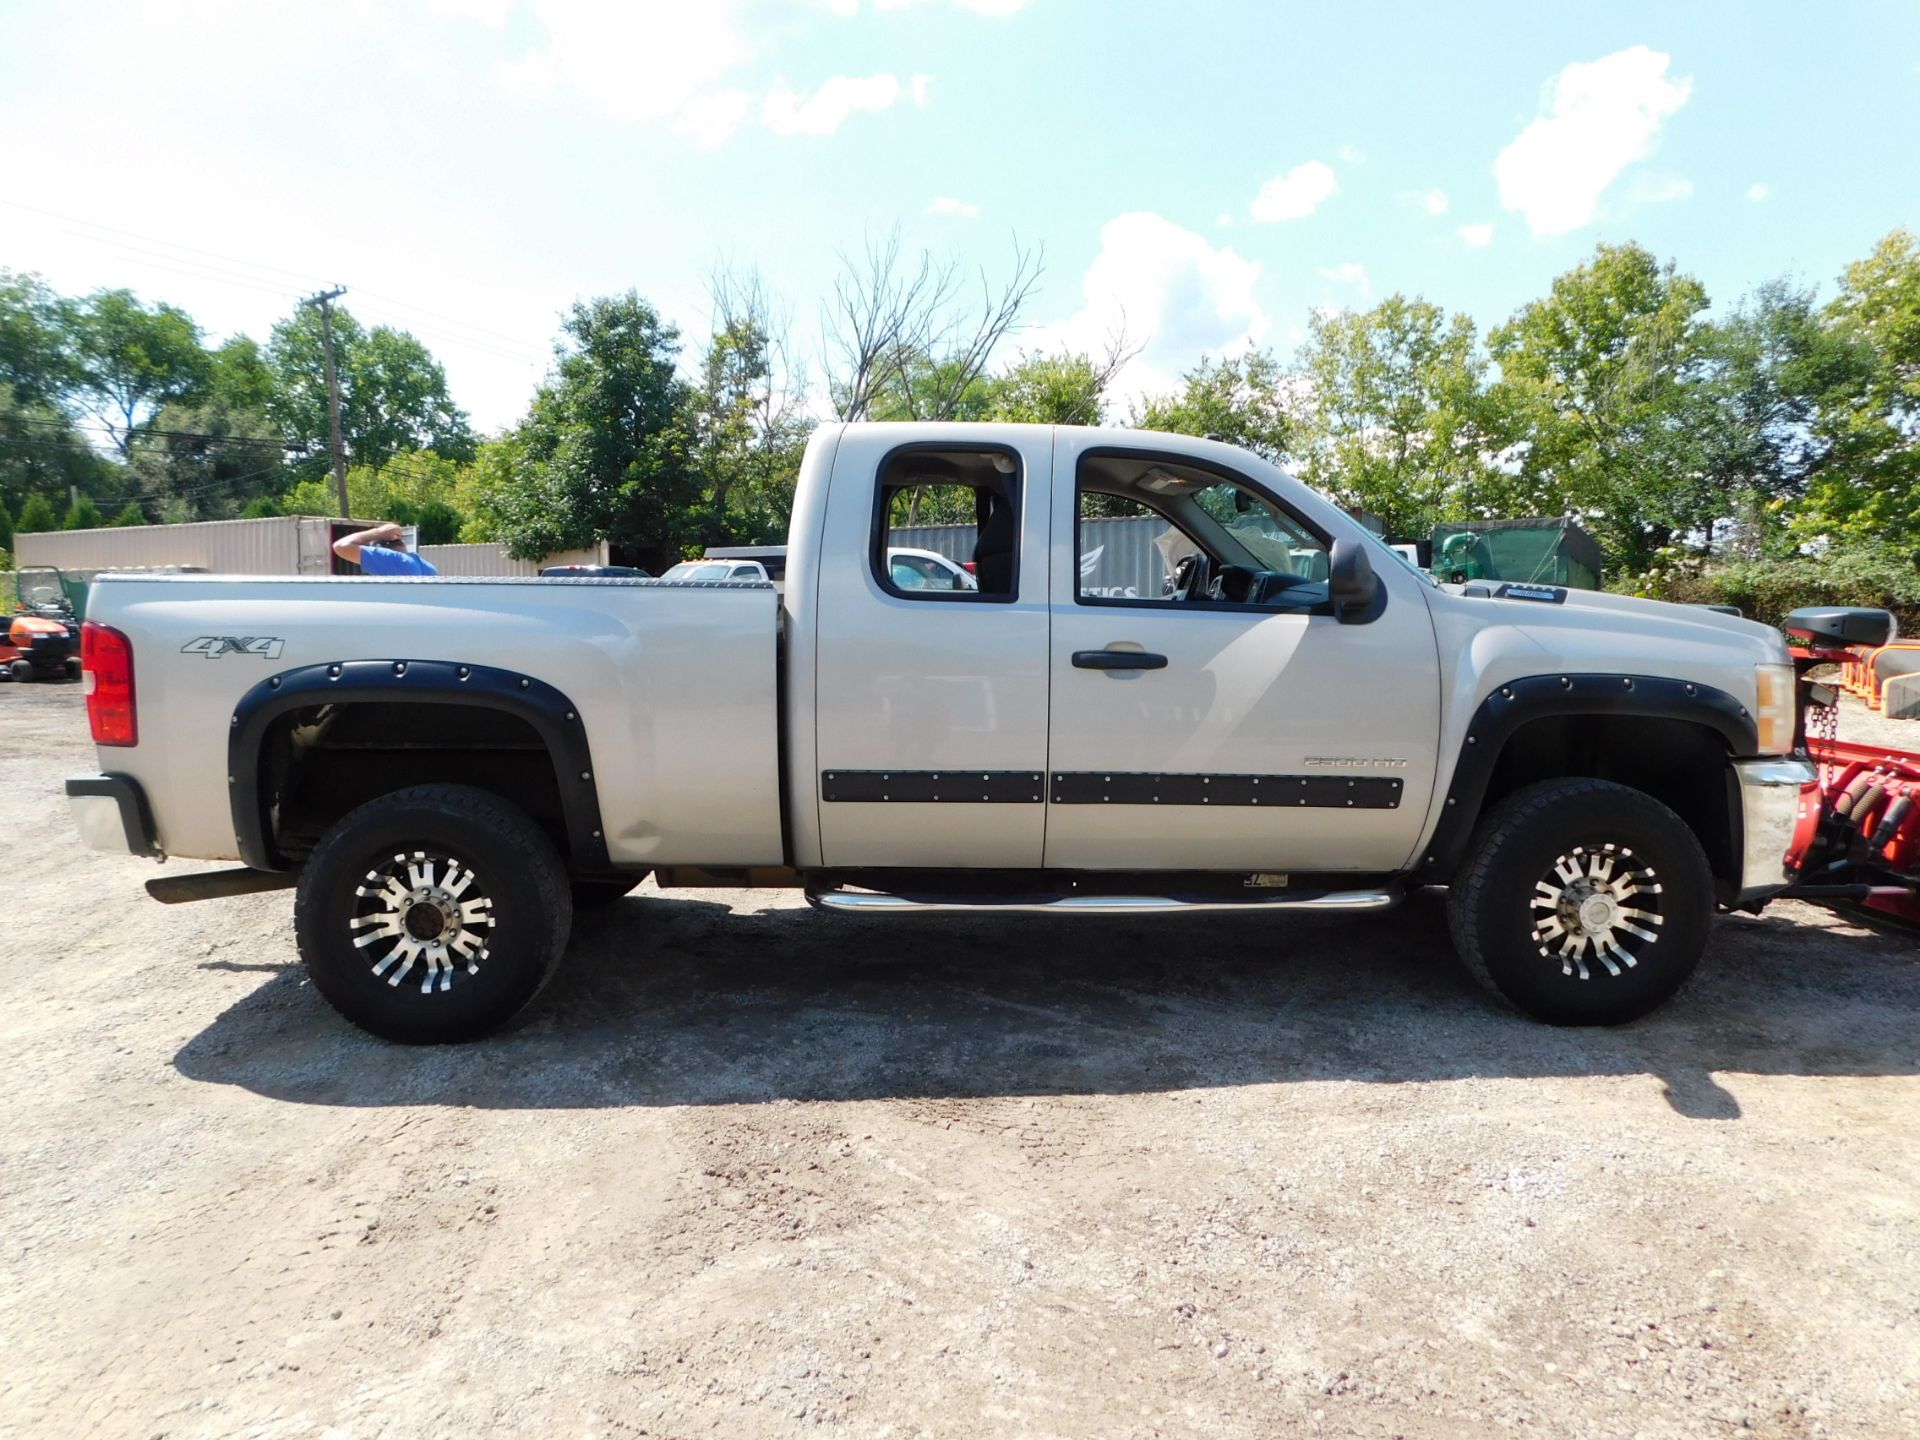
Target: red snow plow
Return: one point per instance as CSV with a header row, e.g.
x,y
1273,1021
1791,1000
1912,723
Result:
x,y
1857,845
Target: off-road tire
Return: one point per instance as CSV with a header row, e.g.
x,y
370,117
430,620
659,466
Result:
x,y
514,866
1491,909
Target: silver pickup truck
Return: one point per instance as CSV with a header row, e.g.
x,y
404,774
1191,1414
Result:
x,y
1298,720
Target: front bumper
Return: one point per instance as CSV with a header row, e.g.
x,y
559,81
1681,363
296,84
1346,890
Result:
x,y
110,812
1769,809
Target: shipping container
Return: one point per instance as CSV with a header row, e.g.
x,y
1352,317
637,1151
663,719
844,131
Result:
x,y
492,559
279,545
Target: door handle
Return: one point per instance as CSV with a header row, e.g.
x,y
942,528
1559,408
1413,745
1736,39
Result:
x,y
1118,660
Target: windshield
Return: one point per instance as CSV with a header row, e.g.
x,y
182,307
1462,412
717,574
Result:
x,y
697,570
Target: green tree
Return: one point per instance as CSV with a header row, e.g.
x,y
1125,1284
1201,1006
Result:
x,y
604,453
214,457
1867,490
1243,400
1596,376
241,378
745,427
130,514
263,508
34,364
83,514
6,528
393,393
1061,389
130,360
1398,422
1747,424
36,517
42,450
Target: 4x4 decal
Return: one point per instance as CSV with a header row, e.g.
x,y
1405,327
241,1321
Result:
x,y
266,647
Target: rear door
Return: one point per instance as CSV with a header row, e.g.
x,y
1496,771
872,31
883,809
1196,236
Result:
x,y
1254,732
931,703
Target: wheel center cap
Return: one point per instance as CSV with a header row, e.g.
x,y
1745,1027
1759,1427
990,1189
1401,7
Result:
x,y
425,921
1597,913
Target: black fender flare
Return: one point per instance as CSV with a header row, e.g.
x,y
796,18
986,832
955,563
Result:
x,y
1537,697
554,717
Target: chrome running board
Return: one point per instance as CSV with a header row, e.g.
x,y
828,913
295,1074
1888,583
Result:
x,y
869,902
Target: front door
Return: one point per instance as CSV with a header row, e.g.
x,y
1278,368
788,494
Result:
x,y
1254,731
931,679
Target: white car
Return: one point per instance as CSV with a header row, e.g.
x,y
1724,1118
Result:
x,y
926,570
717,570
447,768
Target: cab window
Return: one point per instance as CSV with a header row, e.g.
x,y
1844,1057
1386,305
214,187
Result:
x,y
1165,531
972,490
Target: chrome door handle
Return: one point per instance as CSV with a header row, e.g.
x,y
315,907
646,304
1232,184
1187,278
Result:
x,y
1118,660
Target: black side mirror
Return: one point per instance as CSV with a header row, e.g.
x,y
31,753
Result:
x,y
1351,582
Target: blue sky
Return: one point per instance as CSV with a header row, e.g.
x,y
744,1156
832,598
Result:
x,y
1210,171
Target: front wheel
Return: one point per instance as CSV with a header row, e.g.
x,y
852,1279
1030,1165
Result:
x,y
433,915
1583,902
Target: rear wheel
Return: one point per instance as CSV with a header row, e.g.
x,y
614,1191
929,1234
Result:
x,y
433,915
1583,902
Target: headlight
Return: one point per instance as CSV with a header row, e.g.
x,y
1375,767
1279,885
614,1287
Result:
x,y
1775,713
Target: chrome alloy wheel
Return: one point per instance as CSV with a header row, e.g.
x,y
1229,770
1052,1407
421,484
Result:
x,y
1591,900
412,910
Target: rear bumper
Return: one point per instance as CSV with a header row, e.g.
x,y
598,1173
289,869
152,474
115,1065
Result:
x,y
110,812
1769,809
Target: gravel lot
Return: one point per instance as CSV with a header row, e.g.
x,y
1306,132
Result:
x,y
753,1171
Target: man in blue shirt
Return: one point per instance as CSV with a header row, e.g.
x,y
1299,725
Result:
x,y
377,552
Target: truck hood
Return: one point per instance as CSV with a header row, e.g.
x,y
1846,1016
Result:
x,y
1558,609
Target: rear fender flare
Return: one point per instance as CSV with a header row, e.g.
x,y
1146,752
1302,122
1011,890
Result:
x,y
554,717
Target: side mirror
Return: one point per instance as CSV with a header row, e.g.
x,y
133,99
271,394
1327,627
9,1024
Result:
x,y
1351,582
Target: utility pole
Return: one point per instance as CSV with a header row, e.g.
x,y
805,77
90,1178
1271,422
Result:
x,y
324,302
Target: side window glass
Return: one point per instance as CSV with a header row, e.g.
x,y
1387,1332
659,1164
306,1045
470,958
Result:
x,y
961,503
1128,551
1167,531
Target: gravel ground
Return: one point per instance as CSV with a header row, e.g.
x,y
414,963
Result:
x,y
752,1171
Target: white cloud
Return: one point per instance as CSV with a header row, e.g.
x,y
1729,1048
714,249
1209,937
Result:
x,y
786,112
711,118
1434,202
1475,237
594,47
1223,220
1597,118
1164,287
669,60
1296,194
1353,154
490,13
1353,273
979,7
1759,191
960,209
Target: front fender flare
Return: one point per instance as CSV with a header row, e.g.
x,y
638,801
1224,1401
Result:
x,y
554,717
1537,697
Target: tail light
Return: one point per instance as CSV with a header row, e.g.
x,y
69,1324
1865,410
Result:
x,y
968,566
107,657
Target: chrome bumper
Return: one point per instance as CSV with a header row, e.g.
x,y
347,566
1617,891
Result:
x,y
1769,809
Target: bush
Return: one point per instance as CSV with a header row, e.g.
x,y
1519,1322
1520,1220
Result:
x,y
83,514
130,514
36,517
1766,590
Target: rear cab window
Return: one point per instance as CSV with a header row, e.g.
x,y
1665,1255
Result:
x,y
974,493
